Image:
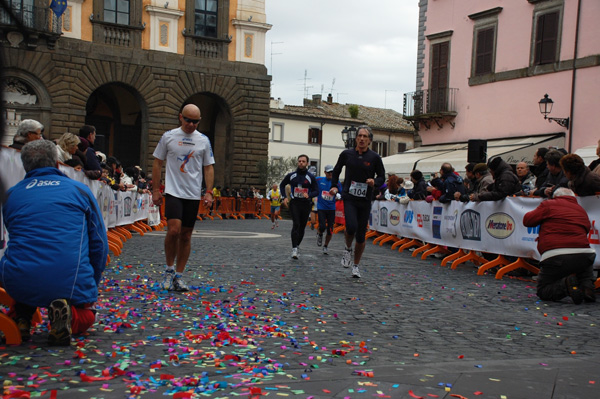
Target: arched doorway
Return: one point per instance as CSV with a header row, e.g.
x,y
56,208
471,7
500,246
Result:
x,y
216,123
118,113
24,97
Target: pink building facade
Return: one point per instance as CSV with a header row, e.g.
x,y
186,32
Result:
x,y
483,67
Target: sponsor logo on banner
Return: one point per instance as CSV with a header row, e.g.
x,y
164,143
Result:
x,y
127,207
500,225
451,221
408,219
436,222
394,217
383,216
423,219
531,231
594,236
470,225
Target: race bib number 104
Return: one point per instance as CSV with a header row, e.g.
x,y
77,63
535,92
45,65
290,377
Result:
x,y
358,189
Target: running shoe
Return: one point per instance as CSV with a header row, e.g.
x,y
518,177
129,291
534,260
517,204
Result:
x,y
355,271
295,253
319,239
347,258
167,283
325,251
59,314
179,284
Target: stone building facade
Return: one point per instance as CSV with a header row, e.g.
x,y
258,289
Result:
x,y
133,90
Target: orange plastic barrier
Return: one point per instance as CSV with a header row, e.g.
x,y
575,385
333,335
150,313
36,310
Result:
x,y
227,207
8,325
203,212
214,210
266,209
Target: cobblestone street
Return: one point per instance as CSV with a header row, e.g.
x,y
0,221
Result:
x,y
259,323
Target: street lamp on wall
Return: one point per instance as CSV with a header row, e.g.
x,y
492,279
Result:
x,y
349,136
546,104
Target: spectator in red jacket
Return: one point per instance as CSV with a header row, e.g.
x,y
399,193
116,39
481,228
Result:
x,y
566,267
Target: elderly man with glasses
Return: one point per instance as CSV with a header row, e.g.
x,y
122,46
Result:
x,y
28,130
188,159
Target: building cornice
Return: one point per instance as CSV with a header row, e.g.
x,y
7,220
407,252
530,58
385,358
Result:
x,y
161,11
487,13
259,26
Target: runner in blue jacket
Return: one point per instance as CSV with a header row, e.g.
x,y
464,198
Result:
x,y
326,208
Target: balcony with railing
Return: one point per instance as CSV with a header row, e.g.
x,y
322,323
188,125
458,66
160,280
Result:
x,y
29,25
119,35
205,47
431,105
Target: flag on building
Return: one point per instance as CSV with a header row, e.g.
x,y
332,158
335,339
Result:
x,y
59,7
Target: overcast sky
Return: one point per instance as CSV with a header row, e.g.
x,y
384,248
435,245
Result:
x,y
367,47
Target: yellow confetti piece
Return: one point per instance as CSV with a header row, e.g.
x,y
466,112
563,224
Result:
x,y
494,379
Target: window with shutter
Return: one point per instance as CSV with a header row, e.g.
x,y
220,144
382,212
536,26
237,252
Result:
x,y
314,135
546,38
439,77
484,54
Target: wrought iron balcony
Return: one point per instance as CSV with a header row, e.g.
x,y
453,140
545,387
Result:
x,y
32,24
424,106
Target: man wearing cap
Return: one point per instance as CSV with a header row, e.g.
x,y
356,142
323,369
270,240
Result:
x,y
505,182
326,207
483,179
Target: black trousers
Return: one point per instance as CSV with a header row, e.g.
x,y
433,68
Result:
x,y
356,214
300,211
326,220
551,284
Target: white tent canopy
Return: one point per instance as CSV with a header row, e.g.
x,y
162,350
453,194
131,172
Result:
x,y
587,153
428,159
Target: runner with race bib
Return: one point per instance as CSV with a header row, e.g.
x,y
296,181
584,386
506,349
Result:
x,y
303,187
326,208
364,171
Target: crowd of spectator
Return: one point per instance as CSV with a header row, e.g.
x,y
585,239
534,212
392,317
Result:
x,y
491,181
78,152
496,179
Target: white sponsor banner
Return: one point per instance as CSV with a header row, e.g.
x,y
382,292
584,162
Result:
x,y
491,226
118,208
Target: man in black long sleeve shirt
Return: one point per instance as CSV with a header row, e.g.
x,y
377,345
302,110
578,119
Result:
x,y
362,165
303,187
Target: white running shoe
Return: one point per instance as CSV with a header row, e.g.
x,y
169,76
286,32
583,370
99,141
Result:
x,y
325,251
319,239
347,258
355,271
167,283
295,253
179,284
